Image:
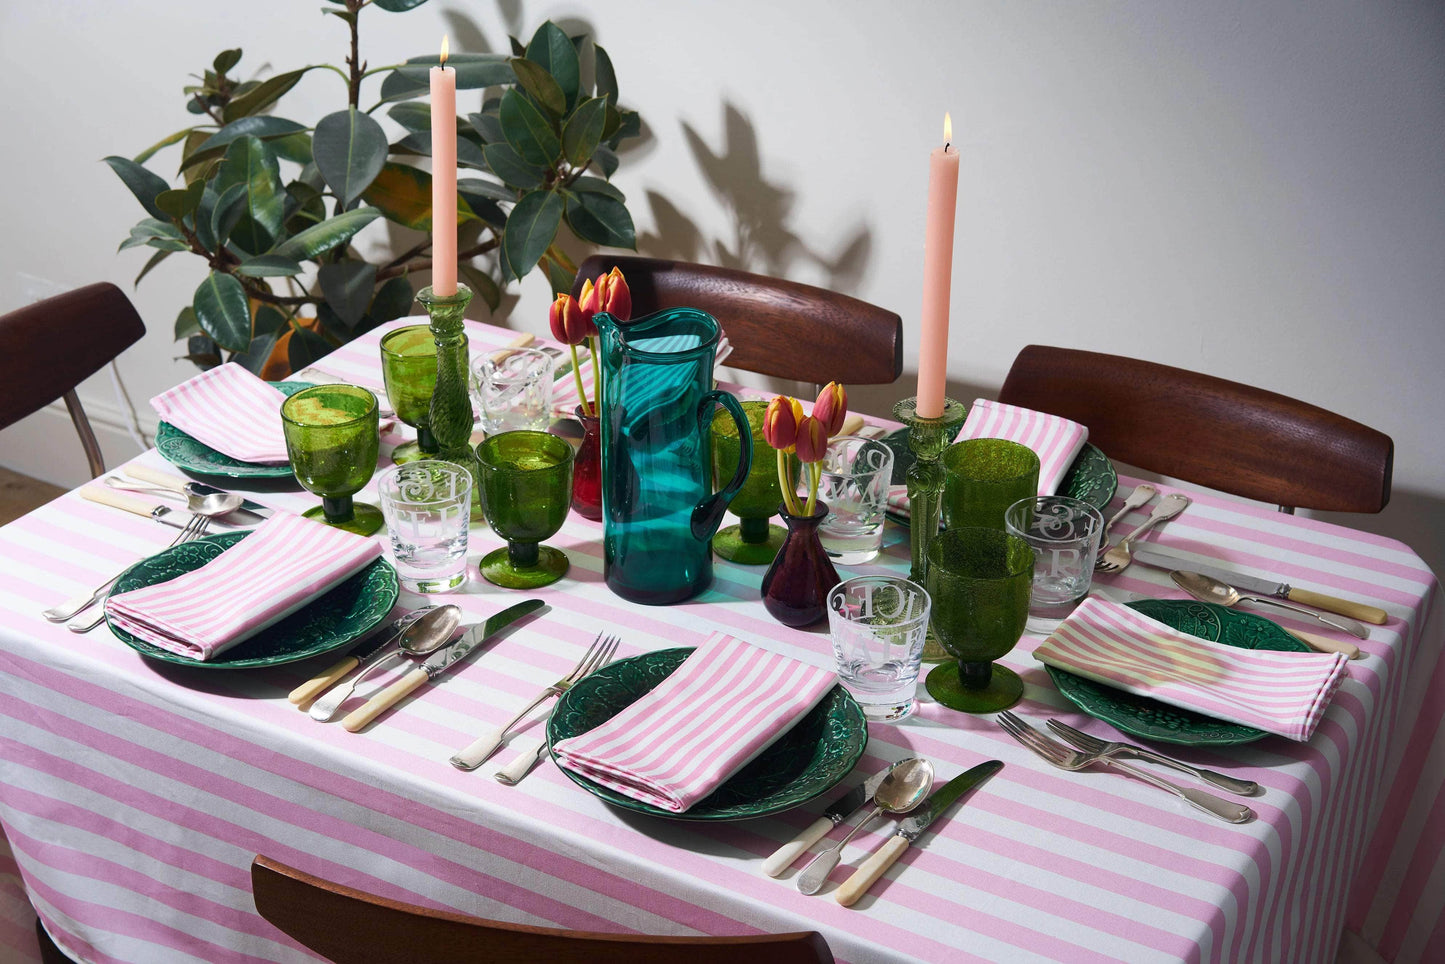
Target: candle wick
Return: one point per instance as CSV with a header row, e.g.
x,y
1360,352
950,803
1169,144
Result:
x,y
945,146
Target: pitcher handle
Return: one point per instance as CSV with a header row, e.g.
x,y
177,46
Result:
x,y
707,515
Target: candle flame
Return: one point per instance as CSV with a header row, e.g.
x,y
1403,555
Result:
x,y
444,50
947,126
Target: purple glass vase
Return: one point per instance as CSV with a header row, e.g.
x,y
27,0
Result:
x,y
795,588
587,470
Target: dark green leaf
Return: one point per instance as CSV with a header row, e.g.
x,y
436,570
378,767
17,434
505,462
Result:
x,y
558,277
201,350
411,115
403,194
468,154
474,71
268,319
489,126
304,207
531,227
250,161
346,15
398,6
255,357
186,323
293,147
306,348
631,127
606,160
483,208
204,222
155,230
223,311
144,184
326,235
482,284
595,185
601,220
261,96
393,300
329,324
181,202
263,127
249,238
155,259
347,287
268,266
528,132
551,48
606,76
229,208
583,131
488,189
226,59
350,149
508,165
536,81
145,155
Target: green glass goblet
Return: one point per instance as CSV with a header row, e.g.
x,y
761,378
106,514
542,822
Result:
x,y
409,367
332,441
980,580
753,541
526,483
982,477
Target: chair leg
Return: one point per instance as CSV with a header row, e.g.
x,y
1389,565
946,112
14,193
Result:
x,y
87,437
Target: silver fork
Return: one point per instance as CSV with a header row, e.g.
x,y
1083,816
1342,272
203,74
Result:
x,y
1092,744
1139,497
1119,557
77,605
80,624
597,655
1065,758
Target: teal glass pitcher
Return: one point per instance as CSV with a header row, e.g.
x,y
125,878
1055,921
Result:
x,y
659,512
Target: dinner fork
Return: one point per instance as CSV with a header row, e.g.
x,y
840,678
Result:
x,y
77,605
597,655
193,530
1092,744
1065,758
1118,558
1138,498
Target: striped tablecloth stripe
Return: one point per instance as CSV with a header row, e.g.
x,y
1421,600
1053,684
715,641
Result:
x,y
134,796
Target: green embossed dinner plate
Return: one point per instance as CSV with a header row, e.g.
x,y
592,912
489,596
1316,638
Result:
x,y
329,621
185,452
1148,718
1091,478
811,758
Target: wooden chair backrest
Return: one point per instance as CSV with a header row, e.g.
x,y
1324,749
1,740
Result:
x,y
349,926
1217,433
776,327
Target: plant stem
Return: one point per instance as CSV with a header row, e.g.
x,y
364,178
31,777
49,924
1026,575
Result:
x,y
354,61
815,473
785,482
596,380
577,375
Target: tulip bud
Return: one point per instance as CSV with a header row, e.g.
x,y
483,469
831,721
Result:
x,y
616,297
568,324
590,299
831,407
780,423
812,442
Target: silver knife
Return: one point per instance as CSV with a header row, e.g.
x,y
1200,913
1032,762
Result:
x,y
183,487
840,810
247,505
179,518
1163,557
369,646
909,829
438,663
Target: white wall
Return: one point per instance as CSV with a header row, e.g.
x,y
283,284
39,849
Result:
x,y
1250,189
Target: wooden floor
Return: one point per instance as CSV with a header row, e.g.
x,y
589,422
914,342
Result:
x,y
20,494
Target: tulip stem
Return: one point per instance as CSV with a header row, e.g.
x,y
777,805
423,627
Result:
x,y
596,378
815,474
577,374
785,480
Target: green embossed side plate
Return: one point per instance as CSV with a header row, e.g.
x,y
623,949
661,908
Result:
x,y
185,452
328,622
1148,718
810,759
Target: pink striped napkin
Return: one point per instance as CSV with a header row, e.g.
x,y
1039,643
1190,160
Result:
x,y
1057,441
280,567
229,409
1284,693
723,706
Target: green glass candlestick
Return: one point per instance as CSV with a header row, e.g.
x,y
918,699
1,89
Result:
x,y
450,416
927,438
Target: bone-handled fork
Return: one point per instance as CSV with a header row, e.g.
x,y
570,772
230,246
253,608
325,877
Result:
x,y
1092,744
597,655
77,605
1065,758
1118,558
84,624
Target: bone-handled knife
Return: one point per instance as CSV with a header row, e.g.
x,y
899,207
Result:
x,y
120,500
910,828
840,810
184,487
376,641
438,663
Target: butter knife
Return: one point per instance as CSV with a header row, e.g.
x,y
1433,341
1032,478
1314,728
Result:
x,y
179,518
184,487
371,646
840,810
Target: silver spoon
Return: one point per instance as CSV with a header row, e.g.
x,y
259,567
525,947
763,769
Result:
x,y
903,789
1208,589
212,505
424,635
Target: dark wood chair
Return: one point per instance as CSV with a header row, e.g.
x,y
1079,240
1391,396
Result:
x,y
353,927
776,327
1217,433
50,347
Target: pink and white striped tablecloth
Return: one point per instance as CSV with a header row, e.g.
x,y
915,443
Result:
x,y
134,795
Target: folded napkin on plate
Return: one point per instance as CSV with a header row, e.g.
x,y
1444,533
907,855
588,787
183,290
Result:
x,y
229,409
1057,441
723,706
280,567
1284,693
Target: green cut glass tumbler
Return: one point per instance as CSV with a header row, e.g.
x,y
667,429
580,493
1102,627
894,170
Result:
x,y
526,482
333,442
754,541
409,368
980,580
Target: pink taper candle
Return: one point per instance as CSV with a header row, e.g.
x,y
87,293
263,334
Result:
x,y
937,275
444,177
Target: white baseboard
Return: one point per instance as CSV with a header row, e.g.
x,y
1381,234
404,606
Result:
x,y
45,445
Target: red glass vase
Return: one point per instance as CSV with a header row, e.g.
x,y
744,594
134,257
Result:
x,y
796,585
587,470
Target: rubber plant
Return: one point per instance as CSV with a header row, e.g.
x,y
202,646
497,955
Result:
x,y
275,205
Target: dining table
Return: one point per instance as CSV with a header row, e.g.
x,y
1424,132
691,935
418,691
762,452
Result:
x,y
134,793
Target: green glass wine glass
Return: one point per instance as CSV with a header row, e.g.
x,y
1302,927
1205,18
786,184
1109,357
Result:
x,y
979,579
409,367
982,477
526,483
753,541
332,441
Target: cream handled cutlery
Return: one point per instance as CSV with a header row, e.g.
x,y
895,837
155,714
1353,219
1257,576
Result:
x,y
909,829
840,810
1208,589
418,633
902,789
